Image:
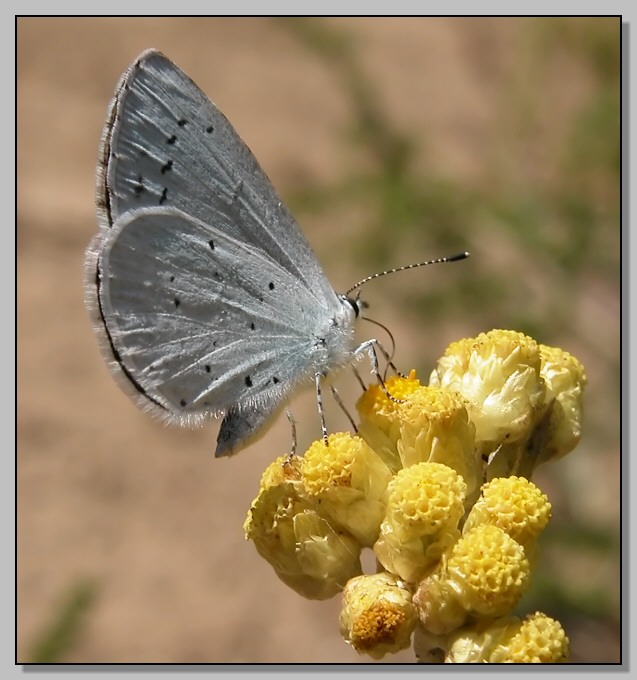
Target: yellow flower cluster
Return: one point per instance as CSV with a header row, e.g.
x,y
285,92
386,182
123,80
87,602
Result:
x,y
437,483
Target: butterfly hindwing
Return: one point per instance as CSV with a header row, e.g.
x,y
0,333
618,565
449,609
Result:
x,y
195,316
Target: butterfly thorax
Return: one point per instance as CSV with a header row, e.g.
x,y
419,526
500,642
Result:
x,y
335,342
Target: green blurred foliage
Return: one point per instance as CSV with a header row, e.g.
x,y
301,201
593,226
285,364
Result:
x,y
59,636
559,217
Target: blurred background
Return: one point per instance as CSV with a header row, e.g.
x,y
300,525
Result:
x,y
392,140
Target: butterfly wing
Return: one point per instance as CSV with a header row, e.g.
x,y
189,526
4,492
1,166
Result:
x,y
166,144
206,297
195,316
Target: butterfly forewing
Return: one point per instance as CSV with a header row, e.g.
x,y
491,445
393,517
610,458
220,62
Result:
x,y
170,146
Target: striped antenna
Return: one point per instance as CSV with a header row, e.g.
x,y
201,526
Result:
x,y
440,260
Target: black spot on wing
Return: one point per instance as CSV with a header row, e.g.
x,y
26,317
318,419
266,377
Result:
x,y
139,187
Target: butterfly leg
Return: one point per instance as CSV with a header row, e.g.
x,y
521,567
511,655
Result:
x,y
292,422
319,404
390,363
339,401
369,347
358,377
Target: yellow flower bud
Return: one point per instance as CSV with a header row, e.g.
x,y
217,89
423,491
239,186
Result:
x,y
306,552
489,571
349,480
380,421
540,639
498,373
430,424
439,610
283,469
515,505
424,506
565,380
558,430
485,574
377,616
537,639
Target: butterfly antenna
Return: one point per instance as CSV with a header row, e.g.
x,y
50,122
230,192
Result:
x,y
440,260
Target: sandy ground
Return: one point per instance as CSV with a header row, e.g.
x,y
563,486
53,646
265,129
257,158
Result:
x,y
106,494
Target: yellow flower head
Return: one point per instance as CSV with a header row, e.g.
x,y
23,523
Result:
x,y
283,469
306,552
515,505
489,570
537,639
429,424
377,615
350,481
424,506
565,380
377,407
498,373
424,498
484,575
380,421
